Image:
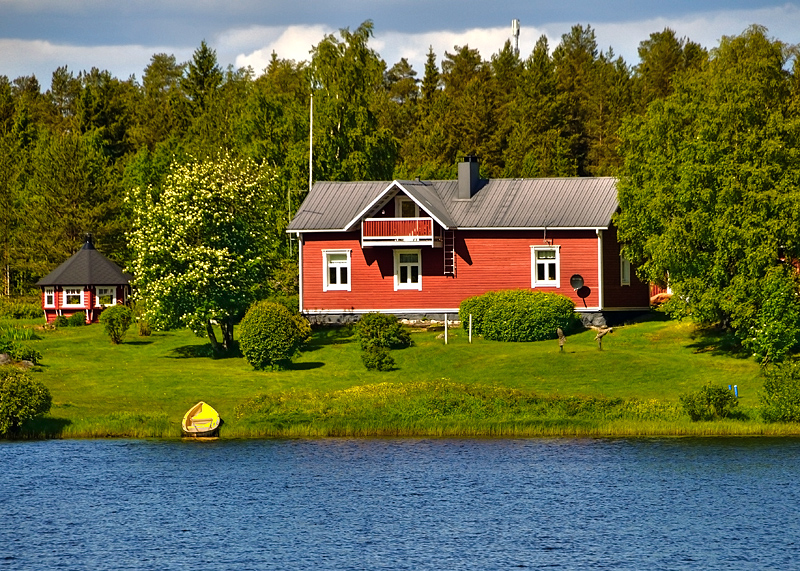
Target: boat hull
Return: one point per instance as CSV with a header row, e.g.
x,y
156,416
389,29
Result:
x,y
201,421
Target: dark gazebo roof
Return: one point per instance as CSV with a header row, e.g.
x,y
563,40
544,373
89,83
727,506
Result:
x,y
86,267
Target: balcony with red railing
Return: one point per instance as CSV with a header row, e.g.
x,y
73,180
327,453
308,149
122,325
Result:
x,y
397,231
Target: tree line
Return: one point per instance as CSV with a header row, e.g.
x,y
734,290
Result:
x,y
72,153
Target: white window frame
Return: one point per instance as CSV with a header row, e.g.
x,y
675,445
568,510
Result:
x,y
113,292
50,291
407,285
327,264
71,291
398,206
624,271
535,265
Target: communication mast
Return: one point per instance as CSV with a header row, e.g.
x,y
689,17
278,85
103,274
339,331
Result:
x,y
515,33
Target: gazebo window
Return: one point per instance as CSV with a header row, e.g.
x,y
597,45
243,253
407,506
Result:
x,y
49,297
106,296
73,296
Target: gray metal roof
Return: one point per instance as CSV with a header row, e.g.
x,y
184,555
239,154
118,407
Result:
x,y
86,267
499,203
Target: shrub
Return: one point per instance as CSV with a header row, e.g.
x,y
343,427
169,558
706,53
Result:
x,y
61,321
21,399
77,319
10,309
519,315
382,330
476,306
709,403
270,335
116,320
780,401
377,358
19,352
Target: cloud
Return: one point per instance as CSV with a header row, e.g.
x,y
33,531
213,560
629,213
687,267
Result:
x,y
254,46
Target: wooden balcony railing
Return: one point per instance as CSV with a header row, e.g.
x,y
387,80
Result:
x,y
390,231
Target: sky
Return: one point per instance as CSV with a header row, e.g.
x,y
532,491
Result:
x,y
38,36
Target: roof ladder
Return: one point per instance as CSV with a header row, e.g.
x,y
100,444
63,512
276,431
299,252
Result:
x,y
449,243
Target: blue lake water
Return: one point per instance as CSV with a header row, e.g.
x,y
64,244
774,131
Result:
x,y
643,504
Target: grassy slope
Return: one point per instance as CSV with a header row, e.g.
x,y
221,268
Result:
x,y
162,375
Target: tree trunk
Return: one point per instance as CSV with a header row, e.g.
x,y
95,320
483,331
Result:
x,y
227,333
212,337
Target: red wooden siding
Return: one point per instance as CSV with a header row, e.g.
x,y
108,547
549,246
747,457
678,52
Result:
x,y
635,295
398,227
89,300
485,261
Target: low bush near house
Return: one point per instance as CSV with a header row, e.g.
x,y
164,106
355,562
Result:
x,y
61,321
270,335
382,330
518,315
77,319
709,403
780,401
10,309
19,352
116,320
21,399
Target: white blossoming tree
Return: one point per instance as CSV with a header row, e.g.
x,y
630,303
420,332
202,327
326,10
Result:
x,y
203,242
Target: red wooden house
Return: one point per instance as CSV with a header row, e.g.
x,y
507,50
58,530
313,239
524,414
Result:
x,y
416,248
88,282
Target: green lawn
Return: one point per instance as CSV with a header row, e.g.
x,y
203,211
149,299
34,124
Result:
x,y
101,389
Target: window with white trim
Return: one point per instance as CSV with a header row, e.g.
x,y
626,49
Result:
x,y
49,297
336,265
404,207
105,296
73,297
408,269
545,271
624,271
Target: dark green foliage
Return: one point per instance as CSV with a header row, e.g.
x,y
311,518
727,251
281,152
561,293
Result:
x,y
518,315
377,358
116,320
382,330
77,319
780,401
61,321
19,352
10,309
270,335
709,403
21,399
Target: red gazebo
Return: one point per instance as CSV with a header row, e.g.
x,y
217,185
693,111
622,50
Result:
x,y
88,282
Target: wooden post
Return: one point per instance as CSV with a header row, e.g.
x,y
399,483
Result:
x,y
445,329
561,339
470,328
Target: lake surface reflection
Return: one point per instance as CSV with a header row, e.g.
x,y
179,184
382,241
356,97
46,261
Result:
x,y
400,504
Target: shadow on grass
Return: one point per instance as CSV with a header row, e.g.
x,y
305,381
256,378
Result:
x,y
42,428
137,342
718,342
305,366
203,352
329,336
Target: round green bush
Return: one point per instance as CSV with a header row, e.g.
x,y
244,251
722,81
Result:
x,y
116,320
21,399
518,315
77,319
780,401
382,330
270,335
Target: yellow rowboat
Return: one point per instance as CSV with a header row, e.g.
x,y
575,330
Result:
x,y
201,420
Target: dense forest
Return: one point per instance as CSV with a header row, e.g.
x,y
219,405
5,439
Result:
x,y
72,154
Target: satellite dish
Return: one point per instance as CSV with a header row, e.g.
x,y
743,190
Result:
x,y
576,281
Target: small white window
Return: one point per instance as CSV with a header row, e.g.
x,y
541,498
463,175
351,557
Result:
x,y
106,296
73,297
49,297
336,265
404,207
545,266
624,271
407,269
